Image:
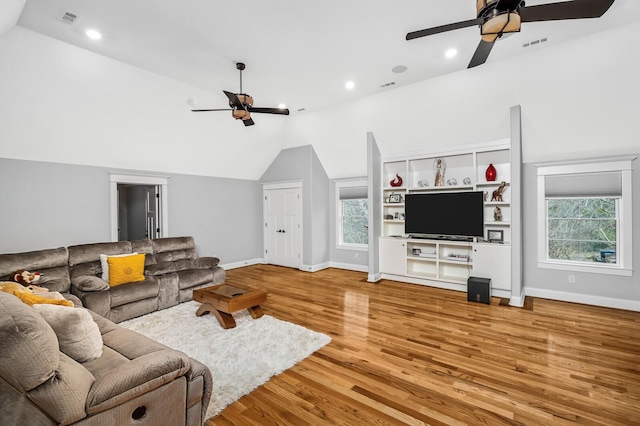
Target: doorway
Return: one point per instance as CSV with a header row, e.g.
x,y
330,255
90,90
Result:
x,y
139,207
283,225
138,211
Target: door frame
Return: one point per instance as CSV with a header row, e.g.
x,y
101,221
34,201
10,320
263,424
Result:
x,y
140,179
265,239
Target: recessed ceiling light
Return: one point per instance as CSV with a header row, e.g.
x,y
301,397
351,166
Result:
x,y
349,85
93,34
398,69
451,53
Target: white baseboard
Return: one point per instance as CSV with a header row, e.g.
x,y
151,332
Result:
x,y
607,302
315,268
349,266
374,278
242,263
517,300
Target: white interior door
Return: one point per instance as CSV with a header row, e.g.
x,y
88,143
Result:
x,y
283,230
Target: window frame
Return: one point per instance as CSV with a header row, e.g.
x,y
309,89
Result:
x,y
623,211
340,244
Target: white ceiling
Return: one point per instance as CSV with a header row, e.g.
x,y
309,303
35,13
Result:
x,y
298,53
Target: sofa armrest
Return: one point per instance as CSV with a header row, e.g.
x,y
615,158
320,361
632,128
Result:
x,y
199,387
137,377
205,262
160,268
64,395
89,283
98,301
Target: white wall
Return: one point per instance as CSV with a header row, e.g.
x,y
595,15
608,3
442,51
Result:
x,y
579,98
64,104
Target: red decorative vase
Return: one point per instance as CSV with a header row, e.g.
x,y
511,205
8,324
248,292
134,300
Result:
x,y
491,173
396,182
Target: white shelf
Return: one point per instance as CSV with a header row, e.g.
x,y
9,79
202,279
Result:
x,y
437,268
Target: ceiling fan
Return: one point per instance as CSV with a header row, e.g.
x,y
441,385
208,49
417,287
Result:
x,y
241,104
498,17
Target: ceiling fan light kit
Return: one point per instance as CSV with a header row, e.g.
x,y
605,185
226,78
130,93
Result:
x,y
500,24
498,17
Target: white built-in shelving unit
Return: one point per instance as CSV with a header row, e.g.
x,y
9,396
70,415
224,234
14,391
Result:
x,y
446,263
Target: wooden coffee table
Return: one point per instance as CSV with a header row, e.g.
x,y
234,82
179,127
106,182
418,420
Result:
x,y
221,300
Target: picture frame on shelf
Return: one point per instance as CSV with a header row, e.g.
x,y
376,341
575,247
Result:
x,y
395,198
495,236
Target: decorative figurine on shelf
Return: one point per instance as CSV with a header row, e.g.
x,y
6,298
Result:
x,y
491,173
452,182
485,195
497,214
497,194
438,167
423,183
466,181
396,182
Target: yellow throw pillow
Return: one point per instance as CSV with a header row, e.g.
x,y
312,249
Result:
x,y
32,299
124,270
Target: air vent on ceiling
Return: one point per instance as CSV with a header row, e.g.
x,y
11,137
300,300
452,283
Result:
x,y
534,42
68,18
391,83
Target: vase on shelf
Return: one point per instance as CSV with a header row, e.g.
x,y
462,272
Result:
x,y
396,182
491,173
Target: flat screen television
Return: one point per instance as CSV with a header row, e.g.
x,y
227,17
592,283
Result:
x,y
445,214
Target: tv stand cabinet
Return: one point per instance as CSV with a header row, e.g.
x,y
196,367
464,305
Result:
x,y
440,262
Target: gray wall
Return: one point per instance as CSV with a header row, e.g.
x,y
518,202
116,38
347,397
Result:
x,y
52,205
302,164
588,288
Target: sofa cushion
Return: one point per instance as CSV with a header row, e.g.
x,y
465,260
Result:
x,y
85,253
78,335
144,246
132,292
174,248
194,277
29,350
51,263
128,269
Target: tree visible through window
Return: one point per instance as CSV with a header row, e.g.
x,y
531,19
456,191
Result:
x,y
354,221
582,229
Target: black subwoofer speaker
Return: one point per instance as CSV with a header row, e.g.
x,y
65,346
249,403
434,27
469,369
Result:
x,y
479,290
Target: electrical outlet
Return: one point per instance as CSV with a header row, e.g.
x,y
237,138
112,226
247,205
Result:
x,y
572,279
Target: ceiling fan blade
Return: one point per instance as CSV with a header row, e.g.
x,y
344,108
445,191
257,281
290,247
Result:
x,y
443,28
482,53
233,100
577,9
206,110
281,111
248,122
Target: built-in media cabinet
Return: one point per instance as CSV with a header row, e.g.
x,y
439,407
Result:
x,y
444,259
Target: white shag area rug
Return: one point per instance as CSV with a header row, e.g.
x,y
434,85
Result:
x,y
240,359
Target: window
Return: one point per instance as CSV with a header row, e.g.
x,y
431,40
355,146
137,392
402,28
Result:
x,y
352,215
584,216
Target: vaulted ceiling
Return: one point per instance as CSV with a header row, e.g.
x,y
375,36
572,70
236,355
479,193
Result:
x,y
297,53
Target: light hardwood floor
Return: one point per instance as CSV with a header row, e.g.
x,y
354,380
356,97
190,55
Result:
x,y
410,354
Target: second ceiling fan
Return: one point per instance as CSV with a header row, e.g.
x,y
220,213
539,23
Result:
x,y
241,104
498,17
